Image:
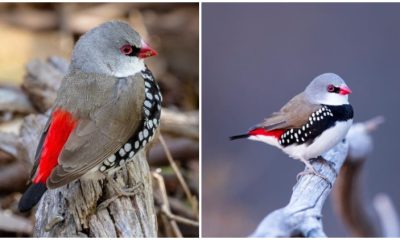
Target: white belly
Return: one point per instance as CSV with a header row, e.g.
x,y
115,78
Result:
x,y
266,139
321,144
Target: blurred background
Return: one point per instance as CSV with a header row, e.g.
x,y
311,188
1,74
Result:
x,y
255,57
32,32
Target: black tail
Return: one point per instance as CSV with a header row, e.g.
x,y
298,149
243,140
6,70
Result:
x,y
31,196
239,136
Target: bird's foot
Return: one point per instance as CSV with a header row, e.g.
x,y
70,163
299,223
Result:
x,y
323,161
125,192
53,222
131,191
311,170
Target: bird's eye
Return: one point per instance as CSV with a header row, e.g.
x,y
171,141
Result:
x,y
126,49
130,50
331,88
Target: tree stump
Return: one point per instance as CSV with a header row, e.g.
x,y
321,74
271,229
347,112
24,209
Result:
x,y
121,205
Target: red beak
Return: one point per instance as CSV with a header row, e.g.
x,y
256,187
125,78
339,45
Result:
x,y
146,51
344,90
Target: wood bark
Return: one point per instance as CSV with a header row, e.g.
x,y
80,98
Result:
x,y
363,216
302,216
121,205
348,198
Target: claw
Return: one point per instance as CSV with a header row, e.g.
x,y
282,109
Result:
x,y
323,161
53,222
125,192
311,170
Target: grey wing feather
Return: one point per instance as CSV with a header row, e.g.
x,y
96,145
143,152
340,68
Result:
x,y
292,115
106,129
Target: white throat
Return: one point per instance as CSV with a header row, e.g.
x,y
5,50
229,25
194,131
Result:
x,y
334,99
134,66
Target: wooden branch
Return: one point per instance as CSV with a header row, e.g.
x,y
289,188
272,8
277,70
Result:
x,y
42,80
177,206
182,149
13,174
165,204
360,215
190,197
387,215
179,123
118,206
12,101
8,143
348,199
302,216
13,223
13,177
30,132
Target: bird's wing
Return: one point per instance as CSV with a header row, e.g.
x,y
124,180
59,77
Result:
x,y
116,110
39,148
292,115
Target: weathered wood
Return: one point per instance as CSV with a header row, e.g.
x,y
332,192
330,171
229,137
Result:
x,y
13,174
8,144
42,80
181,124
348,198
30,132
388,216
362,216
13,101
302,216
119,206
183,150
13,177
13,223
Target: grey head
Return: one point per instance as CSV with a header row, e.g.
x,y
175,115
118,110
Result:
x,y
113,48
328,89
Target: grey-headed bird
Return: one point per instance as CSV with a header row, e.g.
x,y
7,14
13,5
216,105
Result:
x,y
311,123
107,109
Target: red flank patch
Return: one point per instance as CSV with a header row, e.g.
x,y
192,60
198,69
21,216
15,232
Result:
x,y
61,126
261,131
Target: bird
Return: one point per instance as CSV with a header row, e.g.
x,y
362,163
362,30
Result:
x,y
107,109
310,124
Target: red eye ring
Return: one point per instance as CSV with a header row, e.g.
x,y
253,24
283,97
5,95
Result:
x,y
331,88
126,49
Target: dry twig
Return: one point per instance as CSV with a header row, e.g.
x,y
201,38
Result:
x,y
165,205
13,223
348,198
388,216
178,173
